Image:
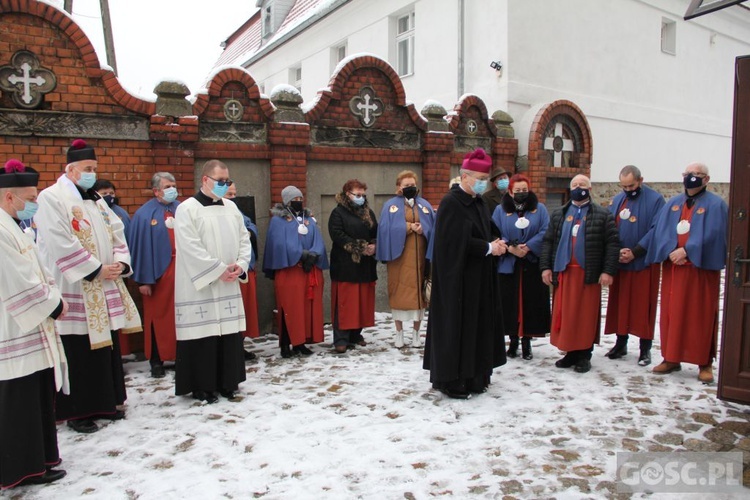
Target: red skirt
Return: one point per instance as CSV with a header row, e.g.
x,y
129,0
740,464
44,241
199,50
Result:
x,y
689,320
250,302
631,307
576,311
158,310
355,303
299,300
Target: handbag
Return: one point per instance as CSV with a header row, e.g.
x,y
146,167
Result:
x,y
427,291
427,286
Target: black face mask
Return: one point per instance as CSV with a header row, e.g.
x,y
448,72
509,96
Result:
x,y
409,192
296,206
520,197
692,182
110,200
634,193
579,194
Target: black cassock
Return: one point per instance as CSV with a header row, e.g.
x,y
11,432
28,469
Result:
x,y
465,326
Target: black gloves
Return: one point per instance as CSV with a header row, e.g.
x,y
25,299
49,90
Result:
x,y
308,260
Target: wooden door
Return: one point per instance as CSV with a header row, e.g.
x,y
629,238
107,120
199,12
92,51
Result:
x,y
734,364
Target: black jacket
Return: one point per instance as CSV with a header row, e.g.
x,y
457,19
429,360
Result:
x,y
602,243
351,229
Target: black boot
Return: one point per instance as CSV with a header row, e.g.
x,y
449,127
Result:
x,y
526,348
645,358
620,349
513,347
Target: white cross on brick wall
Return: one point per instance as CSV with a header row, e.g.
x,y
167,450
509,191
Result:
x,y
558,144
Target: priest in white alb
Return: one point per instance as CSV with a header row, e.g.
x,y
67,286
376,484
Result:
x,y
32,359
82,242
213,253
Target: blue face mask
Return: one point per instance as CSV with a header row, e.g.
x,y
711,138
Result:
x,y
87,180
170,194
480,187
502,184
219,191
358,200
29,210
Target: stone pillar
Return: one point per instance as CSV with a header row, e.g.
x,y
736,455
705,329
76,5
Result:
x,y
505,146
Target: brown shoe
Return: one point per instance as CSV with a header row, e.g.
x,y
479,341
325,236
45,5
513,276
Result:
x,y
706,374
341,349
666,367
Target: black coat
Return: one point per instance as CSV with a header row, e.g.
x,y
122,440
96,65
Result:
x,y
351,230
602,243
465,327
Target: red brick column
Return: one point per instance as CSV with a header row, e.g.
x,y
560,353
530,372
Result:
x,y
289,144
436,169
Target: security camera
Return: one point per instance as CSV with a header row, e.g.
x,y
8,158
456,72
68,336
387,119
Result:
x,y
496,65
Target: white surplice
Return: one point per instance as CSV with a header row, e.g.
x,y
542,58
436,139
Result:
x,y
76,237
29,341
207,241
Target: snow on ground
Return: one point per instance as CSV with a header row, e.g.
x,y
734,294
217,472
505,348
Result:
x,y
366,424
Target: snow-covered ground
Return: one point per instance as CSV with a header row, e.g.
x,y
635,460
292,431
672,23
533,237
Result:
x,y
366,424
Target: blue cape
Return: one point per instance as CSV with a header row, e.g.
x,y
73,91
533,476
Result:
x,y
250,226
150,249
564,248
124,217
392,226
284,244
532,235
644,210
707,245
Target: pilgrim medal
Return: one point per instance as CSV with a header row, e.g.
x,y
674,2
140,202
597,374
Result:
x,y
169,222
624,214
574,232
302,229
393,209
683,227
522,223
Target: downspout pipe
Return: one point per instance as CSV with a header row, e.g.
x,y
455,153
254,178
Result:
x,y
461,17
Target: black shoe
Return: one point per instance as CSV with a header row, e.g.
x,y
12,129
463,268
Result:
x,y
228,394
49,476
645,358
620,349
157,371
302,349
250,356
526,349
208,397
513,347
565,362
454,394
286,353
84,426
477,388
582,366
117,415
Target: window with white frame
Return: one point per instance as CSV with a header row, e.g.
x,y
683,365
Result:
x,y
405,44
338,54
267,26
295,77
668,36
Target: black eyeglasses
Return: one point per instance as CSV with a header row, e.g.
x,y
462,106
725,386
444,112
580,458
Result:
x,y
222,182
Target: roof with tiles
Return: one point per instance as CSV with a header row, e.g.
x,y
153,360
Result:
x,y
247,40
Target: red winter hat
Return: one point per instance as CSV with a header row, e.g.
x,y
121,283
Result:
x,y
477,161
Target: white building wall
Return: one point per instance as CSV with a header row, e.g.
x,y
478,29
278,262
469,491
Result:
x,y
655,110
645,107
